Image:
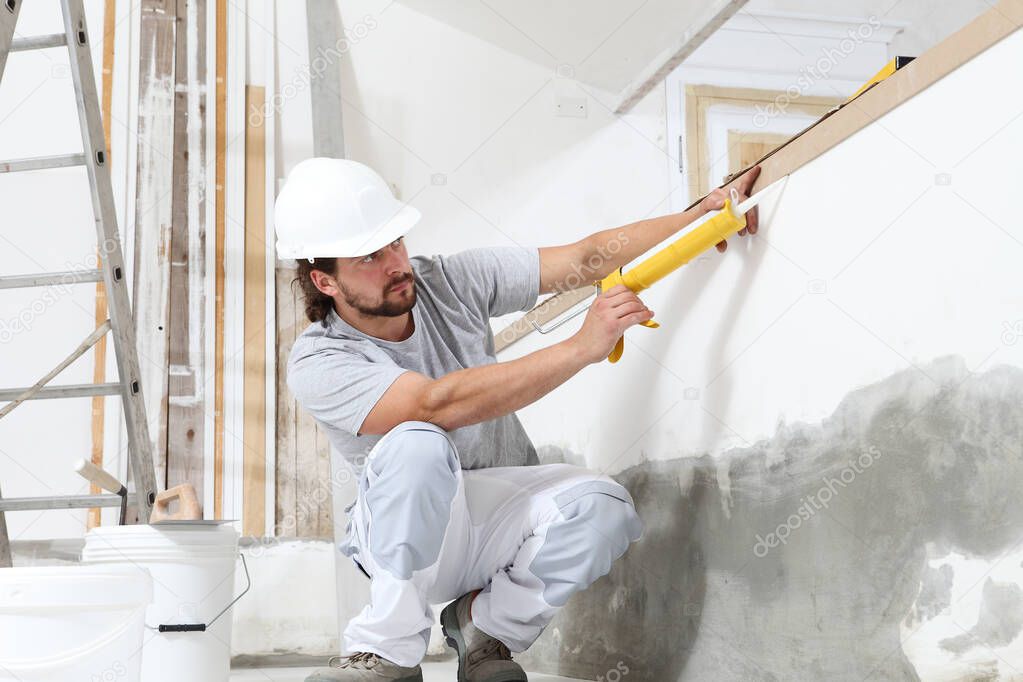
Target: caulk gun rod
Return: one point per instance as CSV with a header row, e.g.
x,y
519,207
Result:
x,y
727,222
746,206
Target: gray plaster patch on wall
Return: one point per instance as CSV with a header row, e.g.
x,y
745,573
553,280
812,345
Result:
x,y
699,599
935,592
999,622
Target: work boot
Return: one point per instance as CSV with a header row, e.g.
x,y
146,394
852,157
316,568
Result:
x,y
365,667
481,658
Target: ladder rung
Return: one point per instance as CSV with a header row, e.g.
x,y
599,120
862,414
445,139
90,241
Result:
x,y
45,279
41,163
66,391
39,42
9,504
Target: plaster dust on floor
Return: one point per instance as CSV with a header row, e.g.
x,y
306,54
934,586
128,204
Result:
x,y
878,544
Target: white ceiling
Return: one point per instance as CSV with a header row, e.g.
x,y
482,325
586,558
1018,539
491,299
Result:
x,y
609,44
619,45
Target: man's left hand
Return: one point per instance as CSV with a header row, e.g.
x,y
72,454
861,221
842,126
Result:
x,y
715,201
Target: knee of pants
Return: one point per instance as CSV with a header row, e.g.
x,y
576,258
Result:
x,y
611,517
624,522
597,527
409,501
421,446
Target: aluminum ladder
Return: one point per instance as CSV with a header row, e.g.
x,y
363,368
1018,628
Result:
x,y
111,273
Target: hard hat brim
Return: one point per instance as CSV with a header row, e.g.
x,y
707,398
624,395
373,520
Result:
x,y
398,226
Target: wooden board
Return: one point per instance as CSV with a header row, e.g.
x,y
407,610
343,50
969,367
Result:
x,y
99,358
745,147
154,214
254,431
186,392
219,197
288,327
303,507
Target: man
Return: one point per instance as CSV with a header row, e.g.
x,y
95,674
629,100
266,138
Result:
x,y
398,369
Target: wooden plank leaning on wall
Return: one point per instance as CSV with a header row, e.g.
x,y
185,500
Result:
x,y
254,361
221,179
187,293
99,366
304,481
154,214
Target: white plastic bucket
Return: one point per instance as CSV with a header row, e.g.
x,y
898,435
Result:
x,y
72,623
193,580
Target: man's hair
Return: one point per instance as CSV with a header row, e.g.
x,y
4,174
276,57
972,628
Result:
x,y
317,304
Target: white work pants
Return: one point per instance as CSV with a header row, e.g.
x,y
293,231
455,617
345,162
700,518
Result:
x,y
428,532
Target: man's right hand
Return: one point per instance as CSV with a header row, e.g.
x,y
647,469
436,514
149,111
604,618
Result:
x,y
609,316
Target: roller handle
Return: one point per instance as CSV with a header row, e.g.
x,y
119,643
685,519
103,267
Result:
x,y
101,478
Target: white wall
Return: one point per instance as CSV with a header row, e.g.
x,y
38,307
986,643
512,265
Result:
x,y
768,332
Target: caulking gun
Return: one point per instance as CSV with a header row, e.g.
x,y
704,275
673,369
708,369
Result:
x,y
719,227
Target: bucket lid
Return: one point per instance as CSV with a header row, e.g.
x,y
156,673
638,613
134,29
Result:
x,y
73,586
163,535
125,542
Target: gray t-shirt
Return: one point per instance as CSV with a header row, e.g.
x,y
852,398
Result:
x,y
338,373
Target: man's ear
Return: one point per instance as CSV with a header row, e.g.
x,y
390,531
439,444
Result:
x,y
325,283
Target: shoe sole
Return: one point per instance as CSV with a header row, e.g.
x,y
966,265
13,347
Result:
x,y
453,636
418,677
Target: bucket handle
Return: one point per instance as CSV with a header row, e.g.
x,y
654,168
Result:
x,y
202,627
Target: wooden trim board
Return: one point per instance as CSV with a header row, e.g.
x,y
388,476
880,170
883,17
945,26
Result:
x,y
270,278
154,215
99,358
219,196
187,291
254,392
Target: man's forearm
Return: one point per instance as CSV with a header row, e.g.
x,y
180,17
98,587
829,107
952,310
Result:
x,y
473,395
608,250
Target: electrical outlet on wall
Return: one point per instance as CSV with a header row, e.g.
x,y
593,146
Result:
x,y
573,107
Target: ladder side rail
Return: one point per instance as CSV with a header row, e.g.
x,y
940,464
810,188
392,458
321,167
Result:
x,y
122,325
8,19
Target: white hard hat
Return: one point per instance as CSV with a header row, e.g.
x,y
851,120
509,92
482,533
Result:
x,y
336,207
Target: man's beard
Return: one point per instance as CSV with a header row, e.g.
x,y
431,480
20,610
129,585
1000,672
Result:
x,y
385,308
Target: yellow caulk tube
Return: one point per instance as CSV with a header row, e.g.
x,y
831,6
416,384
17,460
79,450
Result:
x,y
728,221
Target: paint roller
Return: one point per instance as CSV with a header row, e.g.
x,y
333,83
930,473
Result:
x,y
724,224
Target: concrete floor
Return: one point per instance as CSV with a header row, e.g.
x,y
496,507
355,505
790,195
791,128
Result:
x,y
433,671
